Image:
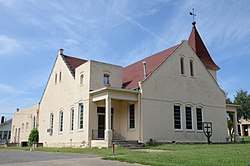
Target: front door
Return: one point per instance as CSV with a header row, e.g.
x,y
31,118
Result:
x,y
101,121
101,125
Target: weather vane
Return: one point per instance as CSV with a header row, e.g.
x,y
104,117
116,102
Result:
x,y
193,14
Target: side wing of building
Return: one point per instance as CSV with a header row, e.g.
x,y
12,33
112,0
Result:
x,y
178,96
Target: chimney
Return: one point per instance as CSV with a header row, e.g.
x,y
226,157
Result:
x,y
60,51
144,69
17,110
2,119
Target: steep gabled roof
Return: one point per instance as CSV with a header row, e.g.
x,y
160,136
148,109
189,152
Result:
x,y
133,73
72,63
200,49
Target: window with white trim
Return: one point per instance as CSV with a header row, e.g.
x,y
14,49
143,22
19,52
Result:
x,y
182,65
55,78
72,115
81,110
27,126
22,126
189,120
131,116
34,122
191,68
106,79
60,76
61,121
51,121
177,117
81,79
199,118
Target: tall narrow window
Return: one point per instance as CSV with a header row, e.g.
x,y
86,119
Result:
x,y
131,116
22,126
182,65
55,78
72,115
61,121
81,79
34,122
177,117
27,126
199,118
189,123
51,121
60,76
106,79
191,68
81,109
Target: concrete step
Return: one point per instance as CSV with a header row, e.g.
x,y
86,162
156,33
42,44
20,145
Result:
x,y
131,144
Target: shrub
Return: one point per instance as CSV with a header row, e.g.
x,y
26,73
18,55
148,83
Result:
x,y
34,136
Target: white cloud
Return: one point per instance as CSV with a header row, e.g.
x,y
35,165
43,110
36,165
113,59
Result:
x,y
8,45
6,89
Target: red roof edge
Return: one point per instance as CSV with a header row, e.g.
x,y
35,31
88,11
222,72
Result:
x,y
72,63
200,49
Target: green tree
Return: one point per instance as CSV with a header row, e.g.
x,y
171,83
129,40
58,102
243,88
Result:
x,y
230,126
242,98
34,136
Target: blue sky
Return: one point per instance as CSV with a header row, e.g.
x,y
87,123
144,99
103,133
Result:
x,y
118,32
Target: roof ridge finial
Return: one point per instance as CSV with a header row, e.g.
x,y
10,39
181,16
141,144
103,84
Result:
x,y
193,14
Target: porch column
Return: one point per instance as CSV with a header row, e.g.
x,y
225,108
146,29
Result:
x,y
236,135
108,131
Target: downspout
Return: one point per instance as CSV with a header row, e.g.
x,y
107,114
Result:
x,y
140,115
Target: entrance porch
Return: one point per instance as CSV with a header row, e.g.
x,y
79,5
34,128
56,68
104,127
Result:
x,y
114,116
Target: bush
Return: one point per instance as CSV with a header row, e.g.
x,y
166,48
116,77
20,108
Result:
x,y
34,136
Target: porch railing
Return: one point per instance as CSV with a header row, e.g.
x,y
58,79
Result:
x,y
99,134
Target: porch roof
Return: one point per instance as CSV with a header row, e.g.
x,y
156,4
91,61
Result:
x,y
114,93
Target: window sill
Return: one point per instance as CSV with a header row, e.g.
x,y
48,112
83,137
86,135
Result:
x,y
183,75
60,133
190,130
178,130
71,132
131,130
193,77
80,130
199,131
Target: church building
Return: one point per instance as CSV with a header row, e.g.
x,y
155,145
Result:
x,y
164,97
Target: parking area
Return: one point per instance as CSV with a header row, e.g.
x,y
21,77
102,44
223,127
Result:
x,y
29,158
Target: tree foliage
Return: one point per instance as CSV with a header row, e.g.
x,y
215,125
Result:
x,y
34,136
242,98
230,126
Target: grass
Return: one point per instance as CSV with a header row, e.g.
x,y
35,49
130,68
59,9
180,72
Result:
x,y
173,154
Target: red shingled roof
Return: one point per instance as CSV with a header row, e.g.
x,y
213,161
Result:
x,y
72,63
133,73
200,49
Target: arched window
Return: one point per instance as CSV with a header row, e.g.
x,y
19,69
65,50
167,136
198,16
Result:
x,y
72,116
81,79
55,78
61,121
60,76
191,68
34,122
182,65
51,121
81,109
177,117
106,79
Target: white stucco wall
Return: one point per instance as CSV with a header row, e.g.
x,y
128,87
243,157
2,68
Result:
x,y
166,87
23,117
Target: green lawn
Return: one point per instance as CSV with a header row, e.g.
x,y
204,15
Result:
x,y
173,154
